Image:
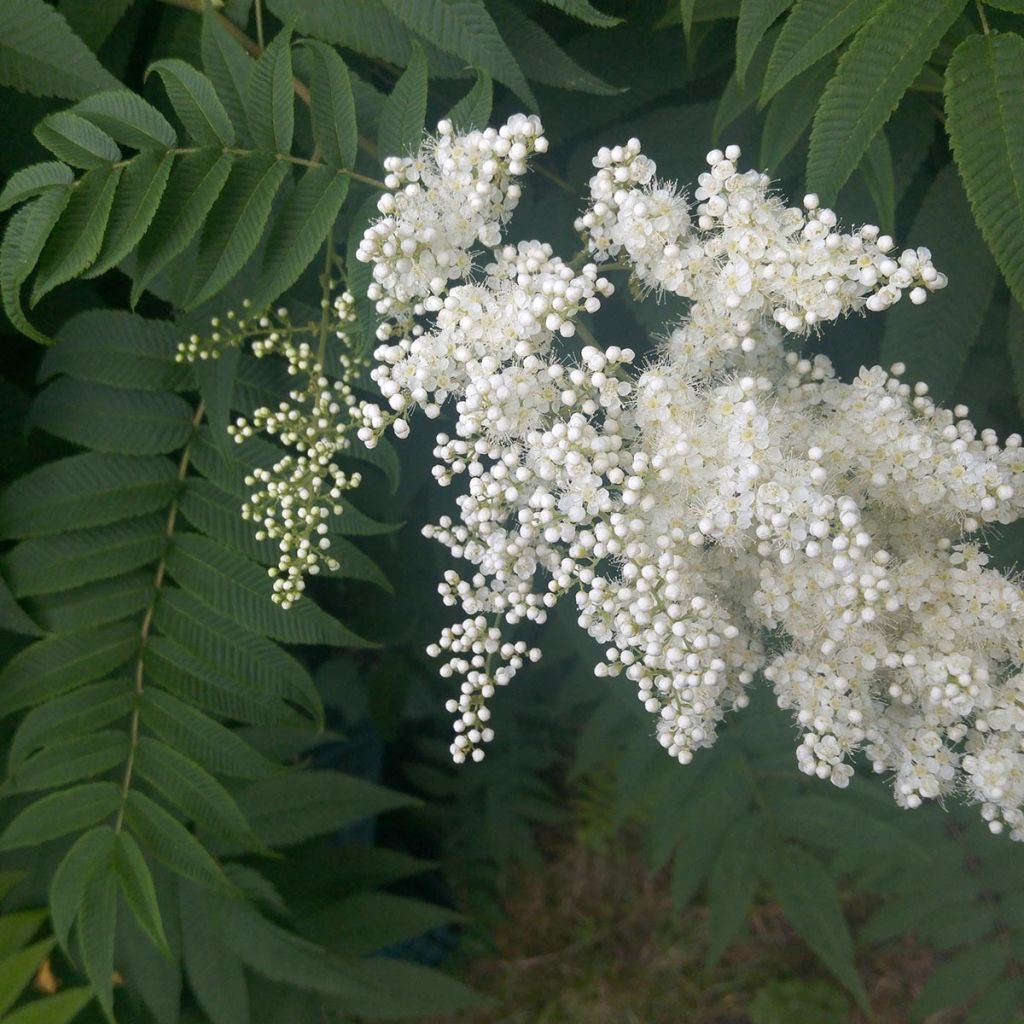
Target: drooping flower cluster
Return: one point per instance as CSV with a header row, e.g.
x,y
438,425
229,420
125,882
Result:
x,y
292,500
725,492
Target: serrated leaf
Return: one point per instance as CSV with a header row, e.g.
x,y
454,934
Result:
x,y
270,99
60,813
808,896
871,78
985,107
54,564
200,738
54,1009
331,105
756,17
934,339
71,760
85,490
540,57
136,883
233,651
234,225
39,54
61,663
116,420
89,854
971,971
289,809
195,101
77,236
196,182
790,113
732,884
224,580
115,347
17,971
215,512
814,29
474,109
737,99
586,12
81,711
228,66
194,790
356,565
95,925
171,843
300,227
466,30
138,195
214,971
77,141
24,238
876,166
94,604
32,181
13,617
128,119
401,121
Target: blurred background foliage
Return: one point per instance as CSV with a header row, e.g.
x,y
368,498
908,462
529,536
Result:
x,y
577,874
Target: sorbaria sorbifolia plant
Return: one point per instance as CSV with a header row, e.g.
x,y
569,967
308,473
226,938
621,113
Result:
x,y
725,507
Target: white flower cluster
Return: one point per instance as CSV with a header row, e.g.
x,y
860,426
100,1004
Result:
x,y
293,499
727,507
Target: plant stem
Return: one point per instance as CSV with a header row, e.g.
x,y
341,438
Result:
x,y
147,621
258,7
981,15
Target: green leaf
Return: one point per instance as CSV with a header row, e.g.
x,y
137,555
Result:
x,y
215,512
26,234
935,339
55,564
137,886
732,884
585,11
85,490
138,195
95,925
686,9
873,74
33,181
998,1004
195,101
790,113
290,809
1013,6
808,896
331,105
12,616
194,790
234,225
18,970
77,141
127,118
876,167
117,420
401,121
224,580
94,603
985,108
61,663
235,652
474,109
60,813
214,972
270,99
17,929
39,54
228,66
735,99
71,760
54,1009
89,854
171,843
465,29
75,241
756,17
83,710
814,29
200,738
302,224
196,182
216,380
971,971
122,349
